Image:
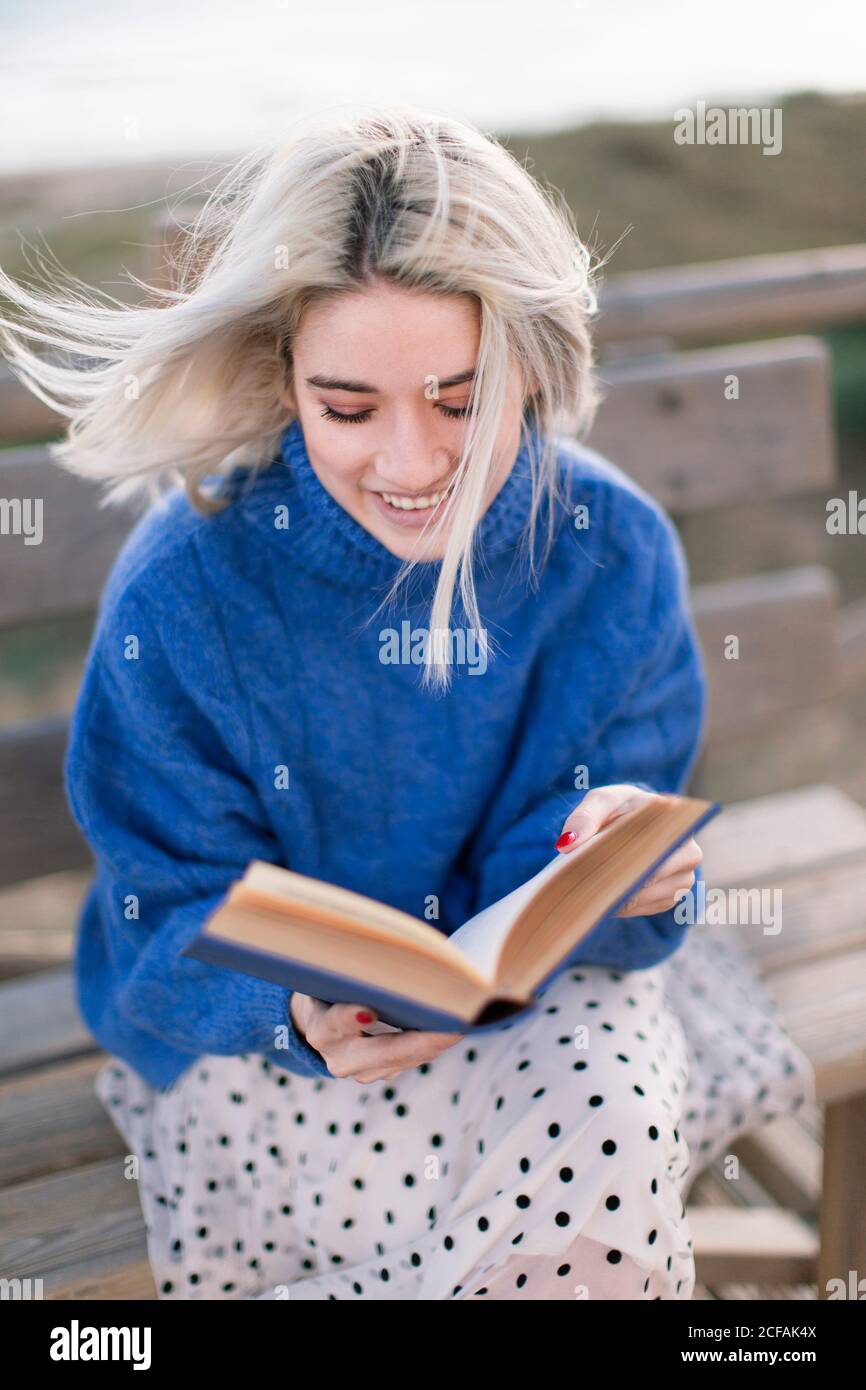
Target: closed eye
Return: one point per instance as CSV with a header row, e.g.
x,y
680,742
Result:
x,y
358,418
361,415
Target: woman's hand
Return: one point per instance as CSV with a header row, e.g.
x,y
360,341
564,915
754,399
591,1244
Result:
x,y
671,879
336,1032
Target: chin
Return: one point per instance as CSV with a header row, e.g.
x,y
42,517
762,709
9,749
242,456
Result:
x,y
411,548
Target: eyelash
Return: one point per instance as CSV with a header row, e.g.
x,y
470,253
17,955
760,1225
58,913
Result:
x,y
451,412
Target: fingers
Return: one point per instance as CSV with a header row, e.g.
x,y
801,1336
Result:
x,y
675,875
683,860
659,896
336,1032
599,806
406,1049
330,1024
375,1059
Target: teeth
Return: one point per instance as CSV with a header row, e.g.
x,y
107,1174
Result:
x,y
414,504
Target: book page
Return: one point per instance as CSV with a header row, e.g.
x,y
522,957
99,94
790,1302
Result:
x,y
273,887
482,937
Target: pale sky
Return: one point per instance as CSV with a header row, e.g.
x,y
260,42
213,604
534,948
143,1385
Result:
x,y
85,81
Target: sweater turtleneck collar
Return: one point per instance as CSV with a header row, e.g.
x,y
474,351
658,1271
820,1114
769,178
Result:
x,y
334,543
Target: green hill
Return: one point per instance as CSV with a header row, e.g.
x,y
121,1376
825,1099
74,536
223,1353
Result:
x,y
702,202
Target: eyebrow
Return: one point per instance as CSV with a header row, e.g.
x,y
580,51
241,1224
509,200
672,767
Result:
x,y
333,383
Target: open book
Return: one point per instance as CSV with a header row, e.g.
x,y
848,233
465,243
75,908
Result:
x,y
342,947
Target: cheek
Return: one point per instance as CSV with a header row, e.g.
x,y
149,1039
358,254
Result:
x,y
337,453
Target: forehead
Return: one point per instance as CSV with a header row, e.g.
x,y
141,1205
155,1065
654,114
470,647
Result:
x,y
396,331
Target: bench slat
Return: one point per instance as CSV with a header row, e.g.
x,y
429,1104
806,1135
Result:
x,y
24,416
843,1197
852,642
821,915
39,834
667,423
754,1244
63,574
89,1225
822,1007
749,294
53,1120
126,1278
787,1161
769,676
776,837
800,746
40,1023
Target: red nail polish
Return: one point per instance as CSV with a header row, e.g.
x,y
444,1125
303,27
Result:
x,y
364,1018
566,838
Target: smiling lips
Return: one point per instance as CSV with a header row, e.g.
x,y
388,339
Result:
x,y
414,504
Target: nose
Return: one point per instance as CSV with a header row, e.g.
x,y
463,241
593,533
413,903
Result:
x,y
413,466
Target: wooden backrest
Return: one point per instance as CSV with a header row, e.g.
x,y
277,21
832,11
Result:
x,y
673,422
668,420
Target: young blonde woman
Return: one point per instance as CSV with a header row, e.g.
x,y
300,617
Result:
x,y
387,624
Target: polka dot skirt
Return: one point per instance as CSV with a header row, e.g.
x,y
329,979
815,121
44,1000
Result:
x,y
548,1160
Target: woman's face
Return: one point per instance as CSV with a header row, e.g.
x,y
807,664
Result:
x,y
382,383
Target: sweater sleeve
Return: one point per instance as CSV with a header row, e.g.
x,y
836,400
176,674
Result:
x,y
650,739
172,823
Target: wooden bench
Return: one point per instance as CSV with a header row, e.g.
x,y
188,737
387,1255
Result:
x,y
777,728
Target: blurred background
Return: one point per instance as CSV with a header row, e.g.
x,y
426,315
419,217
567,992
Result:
x,y
115,117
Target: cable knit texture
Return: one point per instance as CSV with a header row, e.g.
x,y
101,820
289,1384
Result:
x,y
242,698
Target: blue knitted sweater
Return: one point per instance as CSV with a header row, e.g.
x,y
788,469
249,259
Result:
x,y
238,703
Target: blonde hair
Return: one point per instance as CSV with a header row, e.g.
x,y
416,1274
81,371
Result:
x,y
187,384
